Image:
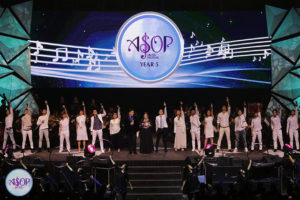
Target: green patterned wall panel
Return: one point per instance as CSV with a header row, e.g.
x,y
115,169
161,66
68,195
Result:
x,y
280,67
4,71
289,86
274,16
10,26
18,100
24,13
298,63
297,71
2,61
33,105
10,47
1,10
273,104
289,26
290,47
285,102
13,86
21,65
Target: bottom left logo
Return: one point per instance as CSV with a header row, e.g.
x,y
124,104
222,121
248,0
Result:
x,y
19,182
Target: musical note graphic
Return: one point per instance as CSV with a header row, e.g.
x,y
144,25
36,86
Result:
x,y
37,52
266,54
231,54
197,43
92,59
79,56
63,51
259,59
254,59
209,51
193,35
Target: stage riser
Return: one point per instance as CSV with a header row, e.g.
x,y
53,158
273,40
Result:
x,y
155,176
152,163
154,196
171,182
172,189
133,169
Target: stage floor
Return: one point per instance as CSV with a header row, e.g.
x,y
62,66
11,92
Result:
x,y
155,156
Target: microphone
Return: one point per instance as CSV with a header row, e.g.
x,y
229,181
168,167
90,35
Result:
x,y
23,165
70,168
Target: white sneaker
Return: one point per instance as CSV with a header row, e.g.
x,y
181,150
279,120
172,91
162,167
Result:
x,y
246,149
193,149
60,151
102,151
235,150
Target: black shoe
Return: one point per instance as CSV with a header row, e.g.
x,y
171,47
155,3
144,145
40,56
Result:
x,y
23,150
48,150
130,152
156,150
166,150
218,150
32,150
230,150
260,150
40,150
134,152
275,150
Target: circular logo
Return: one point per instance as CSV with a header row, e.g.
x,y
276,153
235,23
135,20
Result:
x,y
149,46
18,182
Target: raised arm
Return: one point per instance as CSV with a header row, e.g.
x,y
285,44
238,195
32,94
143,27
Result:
x,y
11,111
181,109
119,112
245,110
165,109
296,109
228,106
65,110
212,109
28,108
104,112
196,109
48,109
84,110
259,113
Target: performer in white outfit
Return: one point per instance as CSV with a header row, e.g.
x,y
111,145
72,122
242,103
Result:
x,y
180,130
114,130
42,122
239,128
8,130
161,126
64,132
223,125
195,127
292,127
26,128
208,126
81,128
256,128
276,128
97,126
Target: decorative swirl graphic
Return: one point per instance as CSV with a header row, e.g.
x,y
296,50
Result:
x,y
145,48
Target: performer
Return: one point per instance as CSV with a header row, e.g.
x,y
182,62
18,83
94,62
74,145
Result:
x,y
97,126
239,128
256,130
180,129
26,128
146,142
121,180
64,132
131,129
208,126
8,130
114,129
81,128
191,184
42,122
292,127
223,125
195,127
161,127
276,128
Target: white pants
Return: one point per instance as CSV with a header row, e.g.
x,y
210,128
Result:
x,y
221,134
196,136
25,133
277,134
42,133
256,134
98,133
10,133
292,134
65,135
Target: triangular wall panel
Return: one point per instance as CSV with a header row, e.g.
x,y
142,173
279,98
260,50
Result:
x,y
10,47
4,71
289,48
274,16
21,65
13,86
280,67
289,26
289,86
24,13
9,25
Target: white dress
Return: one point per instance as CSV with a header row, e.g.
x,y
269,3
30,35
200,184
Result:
x,y
180,132
209,128
81,128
